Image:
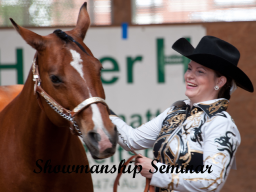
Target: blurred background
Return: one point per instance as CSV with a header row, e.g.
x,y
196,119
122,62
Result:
x,y
64,12
143,31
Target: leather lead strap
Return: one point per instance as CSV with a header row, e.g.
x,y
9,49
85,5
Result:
x,y
148,188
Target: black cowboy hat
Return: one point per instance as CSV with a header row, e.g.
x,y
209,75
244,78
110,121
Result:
x,y
218,55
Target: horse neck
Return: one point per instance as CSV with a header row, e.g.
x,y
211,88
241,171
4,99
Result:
x,y
34,127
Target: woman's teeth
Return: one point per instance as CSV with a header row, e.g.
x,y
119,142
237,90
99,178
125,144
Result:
x,y
191,84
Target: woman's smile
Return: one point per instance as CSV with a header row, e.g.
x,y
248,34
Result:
x,y
190,85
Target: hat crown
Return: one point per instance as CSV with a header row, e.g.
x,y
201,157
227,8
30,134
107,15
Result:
x,y
215,46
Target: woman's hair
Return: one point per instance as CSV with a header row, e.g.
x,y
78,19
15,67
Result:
x,y
225,90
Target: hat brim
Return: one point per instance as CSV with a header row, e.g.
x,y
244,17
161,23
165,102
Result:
x,y
214,62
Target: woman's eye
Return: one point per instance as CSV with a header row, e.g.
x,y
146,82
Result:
x,y
55,79
200,71
189,68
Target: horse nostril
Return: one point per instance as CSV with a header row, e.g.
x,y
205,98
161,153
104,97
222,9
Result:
x,y
94,136
110,150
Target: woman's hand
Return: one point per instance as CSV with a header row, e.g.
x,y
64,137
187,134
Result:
x,y
146,166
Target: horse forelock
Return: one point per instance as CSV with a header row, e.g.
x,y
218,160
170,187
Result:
x,y
67,38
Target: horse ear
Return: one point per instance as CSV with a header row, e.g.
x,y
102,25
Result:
x,y
83,22
34,40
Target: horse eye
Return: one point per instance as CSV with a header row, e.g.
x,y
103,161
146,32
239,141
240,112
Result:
x,y
55,79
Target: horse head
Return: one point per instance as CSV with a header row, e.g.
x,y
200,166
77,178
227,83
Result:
x,y
70,74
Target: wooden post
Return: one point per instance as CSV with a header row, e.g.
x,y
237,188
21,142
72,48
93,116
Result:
x,y
121,12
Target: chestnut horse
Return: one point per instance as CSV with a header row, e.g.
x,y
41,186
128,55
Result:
x,y
38,151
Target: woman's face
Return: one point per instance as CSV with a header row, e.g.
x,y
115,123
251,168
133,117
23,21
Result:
x,y
200,82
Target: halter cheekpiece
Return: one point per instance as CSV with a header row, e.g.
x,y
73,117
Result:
x,y
65,113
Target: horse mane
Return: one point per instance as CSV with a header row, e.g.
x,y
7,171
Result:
x,y
65,37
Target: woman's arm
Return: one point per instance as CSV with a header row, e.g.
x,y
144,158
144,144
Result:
x,y
142,137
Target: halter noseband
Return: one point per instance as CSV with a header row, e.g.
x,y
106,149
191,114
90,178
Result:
x,y
65,113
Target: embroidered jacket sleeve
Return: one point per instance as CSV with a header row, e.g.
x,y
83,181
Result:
x,y
220,142
142,137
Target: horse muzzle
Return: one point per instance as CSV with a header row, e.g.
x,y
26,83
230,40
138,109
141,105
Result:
x,y
101,143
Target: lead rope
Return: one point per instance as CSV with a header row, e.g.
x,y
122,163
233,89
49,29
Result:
x,y
147,188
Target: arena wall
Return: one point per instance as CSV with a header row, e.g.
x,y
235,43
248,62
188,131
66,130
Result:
x,y
242,106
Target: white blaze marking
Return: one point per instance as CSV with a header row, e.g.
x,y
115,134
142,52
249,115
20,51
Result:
x,y
104,143
96,115
77,62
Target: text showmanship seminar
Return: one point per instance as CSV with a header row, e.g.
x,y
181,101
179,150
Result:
x,y
48,168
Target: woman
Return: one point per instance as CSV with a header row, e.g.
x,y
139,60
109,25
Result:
x,y
197,131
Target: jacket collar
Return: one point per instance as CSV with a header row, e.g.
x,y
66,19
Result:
x,y
211,107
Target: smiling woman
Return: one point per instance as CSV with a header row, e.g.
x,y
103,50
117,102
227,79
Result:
x,y
195,132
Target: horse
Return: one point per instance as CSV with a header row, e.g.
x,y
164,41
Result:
x,y
63,91
8,93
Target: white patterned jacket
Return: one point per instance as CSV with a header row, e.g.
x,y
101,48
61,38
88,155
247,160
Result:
x,y
187,138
